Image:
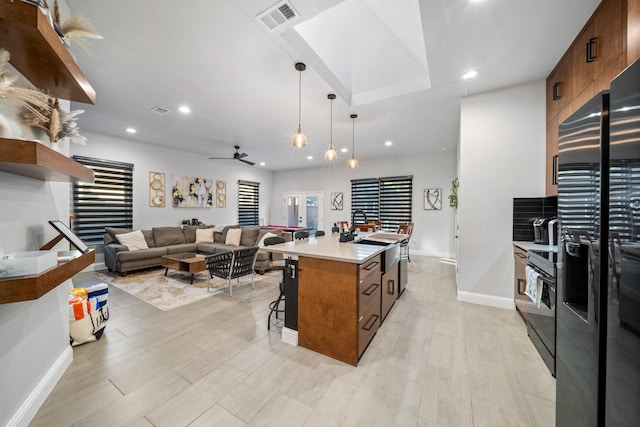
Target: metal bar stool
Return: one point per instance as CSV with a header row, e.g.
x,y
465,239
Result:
x,y
274,306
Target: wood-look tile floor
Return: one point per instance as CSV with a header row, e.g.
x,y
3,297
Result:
x,y
434,362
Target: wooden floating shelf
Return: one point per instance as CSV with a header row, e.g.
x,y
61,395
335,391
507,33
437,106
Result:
x,y
28,288
39,53
35,160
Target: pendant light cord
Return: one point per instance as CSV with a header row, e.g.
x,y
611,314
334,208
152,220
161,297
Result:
x,y
353,137
331,127
299,99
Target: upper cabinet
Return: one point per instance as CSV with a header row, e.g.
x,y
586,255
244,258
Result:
x,y
595,57
39,53
633,31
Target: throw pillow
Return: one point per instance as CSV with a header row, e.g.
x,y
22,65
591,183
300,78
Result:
x,y
204,235
233,237
134,240
266,236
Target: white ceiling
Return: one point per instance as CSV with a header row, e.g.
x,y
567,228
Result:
x,y
240,82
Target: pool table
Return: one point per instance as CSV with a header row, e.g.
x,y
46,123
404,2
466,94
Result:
x,y
287,229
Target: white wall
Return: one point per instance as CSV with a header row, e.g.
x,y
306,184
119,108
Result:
x,y
433,232
502,156
147,158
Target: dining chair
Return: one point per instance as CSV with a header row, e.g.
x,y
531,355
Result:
x,y
232,265
406,228
301,235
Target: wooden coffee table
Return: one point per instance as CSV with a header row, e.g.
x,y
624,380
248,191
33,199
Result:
x,y
189,262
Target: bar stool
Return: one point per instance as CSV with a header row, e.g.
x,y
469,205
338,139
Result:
x,y
301,235
274,306
319,233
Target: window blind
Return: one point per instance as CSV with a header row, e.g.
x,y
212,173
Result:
x,y
388,200
248,203
108,202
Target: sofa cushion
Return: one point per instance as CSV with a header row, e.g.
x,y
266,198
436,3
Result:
x,y
133,241
222,237
185,247
214,248
111,232
148,237
249,236
204,236
233,237
165,236
141,254
189,232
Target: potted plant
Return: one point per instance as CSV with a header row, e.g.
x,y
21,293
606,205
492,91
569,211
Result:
x,y
453,196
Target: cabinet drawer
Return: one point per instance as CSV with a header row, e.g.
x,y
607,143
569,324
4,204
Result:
x,y
370,267
369,292
368,325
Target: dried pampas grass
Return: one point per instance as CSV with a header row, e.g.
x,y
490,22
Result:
x,y
57,123
19,96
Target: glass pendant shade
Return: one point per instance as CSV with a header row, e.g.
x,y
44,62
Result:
x,y
353,162
299,140
331,153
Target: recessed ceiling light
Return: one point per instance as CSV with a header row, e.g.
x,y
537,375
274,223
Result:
x,y
184,109
131,130
309,157
388,143
343,150
262,163
470,74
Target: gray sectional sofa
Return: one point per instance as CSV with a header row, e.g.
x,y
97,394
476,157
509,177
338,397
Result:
x,y
173,240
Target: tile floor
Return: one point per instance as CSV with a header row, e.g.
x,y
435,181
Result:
x,y
434,362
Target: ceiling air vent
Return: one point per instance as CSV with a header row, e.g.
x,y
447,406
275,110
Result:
x,y
161,111
277,15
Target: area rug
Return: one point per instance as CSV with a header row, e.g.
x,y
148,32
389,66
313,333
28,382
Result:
x,y
174,290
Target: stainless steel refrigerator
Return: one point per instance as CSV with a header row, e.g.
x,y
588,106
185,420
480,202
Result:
x,y
598,269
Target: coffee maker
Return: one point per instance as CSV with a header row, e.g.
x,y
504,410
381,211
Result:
x,y
545,231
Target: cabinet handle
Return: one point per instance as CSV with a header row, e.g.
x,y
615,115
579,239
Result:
x,y
371,322
519,255
556,92
391,287
520,282
371,266
554,172
371,289
591,49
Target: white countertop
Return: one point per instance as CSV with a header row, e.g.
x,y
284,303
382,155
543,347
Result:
x,y
535,246
327,247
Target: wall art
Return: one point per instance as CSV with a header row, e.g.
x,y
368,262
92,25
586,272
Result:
x,y
221,194
336,201
192,192
433,199
156,189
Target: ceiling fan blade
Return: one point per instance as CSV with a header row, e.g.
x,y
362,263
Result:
x,y
247,162
240,156
220,158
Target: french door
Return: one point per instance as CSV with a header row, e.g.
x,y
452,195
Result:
x,y
304,209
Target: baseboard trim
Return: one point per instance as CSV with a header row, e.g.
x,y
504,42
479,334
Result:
x,y
490,300
36,398
289,336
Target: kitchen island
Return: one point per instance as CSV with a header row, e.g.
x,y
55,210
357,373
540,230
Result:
x,y
340,293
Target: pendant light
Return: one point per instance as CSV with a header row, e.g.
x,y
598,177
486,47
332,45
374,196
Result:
x,y
331,153
299,140
353,163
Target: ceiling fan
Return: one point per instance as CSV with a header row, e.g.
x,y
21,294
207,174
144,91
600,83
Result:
x,y
236,156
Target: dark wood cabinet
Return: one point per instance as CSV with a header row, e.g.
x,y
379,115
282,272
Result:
x,y
388,290
338,313
633,32
595,57
520,281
